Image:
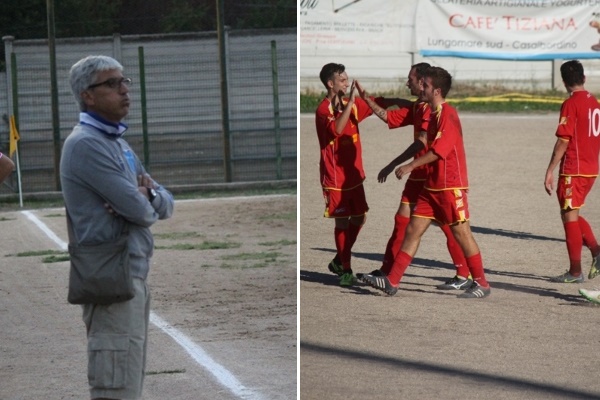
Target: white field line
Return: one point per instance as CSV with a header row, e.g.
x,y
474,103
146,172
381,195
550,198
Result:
x,y
223,376
44,228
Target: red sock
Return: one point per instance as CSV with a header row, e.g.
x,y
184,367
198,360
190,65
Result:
x,y
340,244
458,257
588,236
475,264
574,245
344,240
401,262
395,242
352,235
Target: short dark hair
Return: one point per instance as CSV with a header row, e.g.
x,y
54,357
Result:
x,y
440,79
329,70
571,73
420,68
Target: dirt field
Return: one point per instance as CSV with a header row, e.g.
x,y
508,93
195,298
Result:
x,y
237,302
530,339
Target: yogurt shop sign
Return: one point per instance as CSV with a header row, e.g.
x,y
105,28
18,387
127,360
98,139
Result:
x,y
509,29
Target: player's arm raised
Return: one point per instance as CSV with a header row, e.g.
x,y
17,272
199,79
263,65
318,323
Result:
x,y
340,123
377,110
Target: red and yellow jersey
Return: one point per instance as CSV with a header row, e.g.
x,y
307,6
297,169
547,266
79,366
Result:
x,y
341,165
418,116
579,124
445,139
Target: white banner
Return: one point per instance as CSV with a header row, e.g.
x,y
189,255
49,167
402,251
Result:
x,y
509,29
355,25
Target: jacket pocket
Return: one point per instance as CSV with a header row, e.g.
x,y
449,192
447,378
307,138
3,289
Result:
x,y
107,361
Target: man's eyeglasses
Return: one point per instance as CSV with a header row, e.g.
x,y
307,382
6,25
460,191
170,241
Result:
x,y
113,83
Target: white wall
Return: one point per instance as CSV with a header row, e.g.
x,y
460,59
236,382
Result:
x,y
325,37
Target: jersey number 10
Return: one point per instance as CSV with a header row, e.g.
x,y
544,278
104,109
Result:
x,y
594,122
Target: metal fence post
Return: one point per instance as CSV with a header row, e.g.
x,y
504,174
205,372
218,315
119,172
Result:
x,y
8,50
221,30
276,106
144,107
54,92
117,53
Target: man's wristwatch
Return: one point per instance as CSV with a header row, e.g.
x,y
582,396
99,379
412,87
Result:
x,y
151,194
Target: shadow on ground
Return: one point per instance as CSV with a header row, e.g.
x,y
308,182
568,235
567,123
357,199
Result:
x,y
397,365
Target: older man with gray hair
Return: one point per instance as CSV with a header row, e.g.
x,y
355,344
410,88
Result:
x,y
105,187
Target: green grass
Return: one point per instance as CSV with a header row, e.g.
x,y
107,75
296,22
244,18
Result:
x,y
12,204
36,253
177,235
211,194
289,216
56,258
269,256
167,371
48,256
488,99
253,266
260,260
279,243
207,245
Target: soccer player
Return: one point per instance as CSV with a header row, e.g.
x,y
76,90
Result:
x,y
417,114
577,148
444,196
6,167
341,166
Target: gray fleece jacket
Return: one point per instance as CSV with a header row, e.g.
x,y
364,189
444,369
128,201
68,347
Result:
x,y
98,167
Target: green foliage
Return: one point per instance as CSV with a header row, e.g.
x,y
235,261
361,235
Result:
x,y
185,17
24,19
75,18
27,19
310,102
254,14
505,107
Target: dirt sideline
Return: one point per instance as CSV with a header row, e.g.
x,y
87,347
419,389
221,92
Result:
x,y
530,339
238,304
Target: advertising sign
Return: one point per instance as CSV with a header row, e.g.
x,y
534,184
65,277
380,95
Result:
x,y
509,29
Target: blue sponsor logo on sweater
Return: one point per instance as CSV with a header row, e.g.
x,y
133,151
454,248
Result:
x,y
130,160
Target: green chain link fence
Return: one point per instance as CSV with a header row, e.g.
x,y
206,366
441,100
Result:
x,y
175,121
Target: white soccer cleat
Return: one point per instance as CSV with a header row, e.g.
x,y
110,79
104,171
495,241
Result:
x,y
591,295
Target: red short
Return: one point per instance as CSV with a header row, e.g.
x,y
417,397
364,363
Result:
x,y
446,207
345,203
411,191
572,191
